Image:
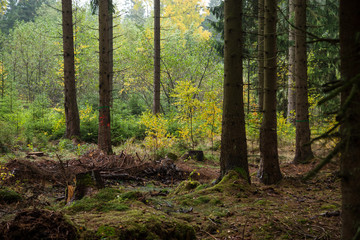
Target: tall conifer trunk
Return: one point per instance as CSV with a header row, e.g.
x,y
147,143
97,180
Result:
x,y
233,154
261,4
156,104
350,129
291,106
269,172
70,104
104,137
303,151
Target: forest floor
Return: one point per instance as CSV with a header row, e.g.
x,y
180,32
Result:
x,y
167,199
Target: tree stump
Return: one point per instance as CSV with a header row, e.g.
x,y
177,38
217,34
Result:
x,y
195,154
86,183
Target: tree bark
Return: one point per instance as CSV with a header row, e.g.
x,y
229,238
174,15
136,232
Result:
x,y
156,103
269,171
111,51
70,103
104,136
233,154
261,4
303,151
350,129
291,106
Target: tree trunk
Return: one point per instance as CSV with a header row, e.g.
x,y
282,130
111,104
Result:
x,y
2,77
233,154
111,52
71,108
156,104
350,129
104,137
291,106
303,151
261,53
269,172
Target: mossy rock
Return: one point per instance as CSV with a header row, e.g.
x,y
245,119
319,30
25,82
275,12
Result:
x,y
9,196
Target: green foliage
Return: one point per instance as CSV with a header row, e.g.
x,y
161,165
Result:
x,y
124,128
253,122
286,131
157,137
7,136
88,123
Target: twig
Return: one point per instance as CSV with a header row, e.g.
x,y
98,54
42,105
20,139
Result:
x,y
212,221
209,234
243,233
138,156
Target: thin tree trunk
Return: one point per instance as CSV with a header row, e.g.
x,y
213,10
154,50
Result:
x,y
291,106
156,104
2,78
261,5
71,108
303,151
233,154
104,137
269,172
350,129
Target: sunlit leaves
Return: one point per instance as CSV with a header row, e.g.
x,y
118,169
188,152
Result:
x,y
157,136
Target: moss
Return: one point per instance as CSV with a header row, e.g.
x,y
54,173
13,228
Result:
x,y
137,224
232,183
85,204
328,207
202,186
185,187
241,172
107,194
9,196
261,202
107,199
114,205
106,232
131,195
302,220
203,199
216,201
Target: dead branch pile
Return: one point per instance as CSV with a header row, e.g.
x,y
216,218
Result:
x,y
111,167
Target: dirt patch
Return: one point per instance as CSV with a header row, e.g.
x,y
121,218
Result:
x,y
38,224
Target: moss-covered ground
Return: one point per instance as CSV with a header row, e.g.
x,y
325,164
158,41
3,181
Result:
x,y
196,208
